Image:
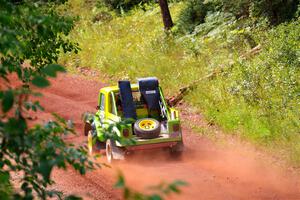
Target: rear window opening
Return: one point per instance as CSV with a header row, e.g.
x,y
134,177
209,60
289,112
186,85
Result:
x,y
140,105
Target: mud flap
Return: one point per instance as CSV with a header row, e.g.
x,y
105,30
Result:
x,y
117,152
178,147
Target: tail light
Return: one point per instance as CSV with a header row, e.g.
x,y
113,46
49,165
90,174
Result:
x,y
176,127
125,132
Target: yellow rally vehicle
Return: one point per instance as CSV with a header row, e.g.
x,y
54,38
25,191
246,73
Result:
x,y
140,114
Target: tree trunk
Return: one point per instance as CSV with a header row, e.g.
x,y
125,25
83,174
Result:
x,y
165,12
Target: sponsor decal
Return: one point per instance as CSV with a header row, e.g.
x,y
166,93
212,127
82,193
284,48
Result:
x,y
151,92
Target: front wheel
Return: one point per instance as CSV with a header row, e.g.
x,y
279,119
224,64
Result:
x,y
87,128
90,142
93,147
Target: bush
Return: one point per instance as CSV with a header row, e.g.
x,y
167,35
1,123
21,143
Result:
x,y
259,95
275,12
239,8
32,35
192,15
124,5
271,80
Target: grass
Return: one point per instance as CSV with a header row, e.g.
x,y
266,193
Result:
x,y
134,45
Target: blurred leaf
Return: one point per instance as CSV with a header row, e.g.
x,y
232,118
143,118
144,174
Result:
x,y
155,197
7,100
32,35
4,177
40,81
73,197
52,69
45,169
121,182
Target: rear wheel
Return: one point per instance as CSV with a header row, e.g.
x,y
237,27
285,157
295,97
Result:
x,y
147,128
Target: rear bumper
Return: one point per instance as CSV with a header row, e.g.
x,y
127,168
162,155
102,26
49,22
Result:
x,y
163,140
151,146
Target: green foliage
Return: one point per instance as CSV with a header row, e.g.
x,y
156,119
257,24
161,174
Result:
x,y
271,80
32,35
125,5
40,81
5,186
259,96
239,8
275,12
7,100
193,14
161,190
52,69
110,133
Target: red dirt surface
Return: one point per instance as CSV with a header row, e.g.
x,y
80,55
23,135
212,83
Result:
x,y
211,170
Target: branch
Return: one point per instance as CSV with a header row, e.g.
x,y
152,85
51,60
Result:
x,y
252,52
174,100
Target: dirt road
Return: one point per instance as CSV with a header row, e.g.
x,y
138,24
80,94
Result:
x,y
212,171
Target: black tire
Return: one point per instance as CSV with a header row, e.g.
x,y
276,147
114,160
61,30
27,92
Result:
x,y
177,150
144,133
87,128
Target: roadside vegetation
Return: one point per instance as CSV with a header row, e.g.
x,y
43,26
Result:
x,y
243,56
31,35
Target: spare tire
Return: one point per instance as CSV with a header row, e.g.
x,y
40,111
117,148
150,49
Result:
x,y
147,128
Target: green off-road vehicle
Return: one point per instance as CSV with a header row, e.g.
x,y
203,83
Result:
x,y
140,114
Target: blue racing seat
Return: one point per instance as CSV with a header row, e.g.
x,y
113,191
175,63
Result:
x,y
150,92
127,103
